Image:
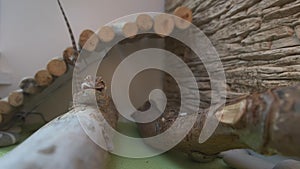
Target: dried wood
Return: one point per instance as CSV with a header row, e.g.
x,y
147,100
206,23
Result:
x,y
249,36
163,24
186,17
106,34
130,29
88,40
43,78
144,22
57,67
5,107
266,122
29,86
70,55
16,98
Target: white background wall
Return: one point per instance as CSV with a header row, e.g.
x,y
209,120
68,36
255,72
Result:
x,y
33,31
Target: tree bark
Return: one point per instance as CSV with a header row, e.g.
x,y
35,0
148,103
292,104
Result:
x,y
265,122
257,41
144,22
258,44
130,29
5,107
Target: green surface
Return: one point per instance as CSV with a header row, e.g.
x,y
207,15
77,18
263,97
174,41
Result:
x,y
169,160
26,132
4,150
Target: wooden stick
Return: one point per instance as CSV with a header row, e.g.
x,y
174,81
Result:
x,y
186,17
16,98
130,29
5,107
144,22
88,40
163,24
29,86
1,118
57,67
260,121
43,78
70,55
106,34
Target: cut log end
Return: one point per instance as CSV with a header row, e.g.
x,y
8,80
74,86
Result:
x,y
43,78
184,17
130,29
29,85
88,40
5,107
16,98
70,55
144,22
231,114
57,67
163,24
106,34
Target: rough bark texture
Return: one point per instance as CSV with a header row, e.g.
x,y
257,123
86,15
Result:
x,y
257,40
265,122
258,43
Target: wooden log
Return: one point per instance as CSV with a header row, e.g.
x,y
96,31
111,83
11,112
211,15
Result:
x,y
57,67
250,37
88,40
29,85
70,55
5,107
106,34
297,31
266,122
185,17
16,98
43,78
130,29
163,24
144,22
